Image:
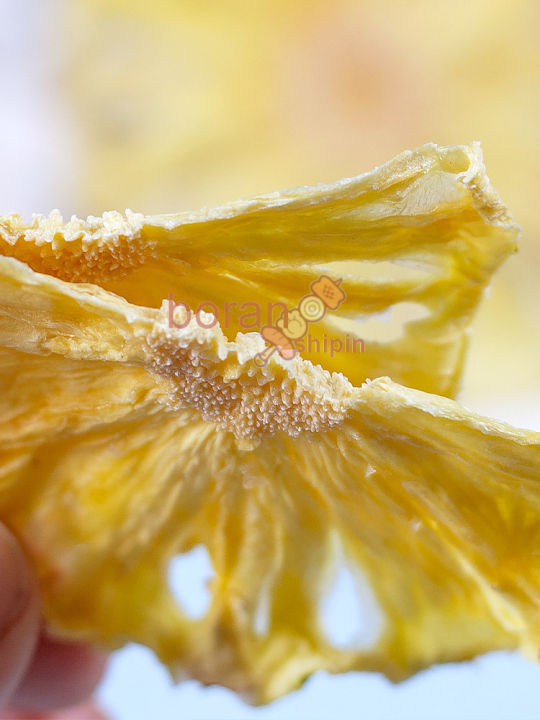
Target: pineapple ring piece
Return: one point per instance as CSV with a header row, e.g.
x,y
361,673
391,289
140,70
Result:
x,y
125,442
423,232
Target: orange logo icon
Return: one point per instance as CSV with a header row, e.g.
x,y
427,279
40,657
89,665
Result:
x,y
326,294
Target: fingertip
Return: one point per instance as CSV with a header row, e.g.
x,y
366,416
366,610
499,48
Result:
x,y
61,675
19,614
88,711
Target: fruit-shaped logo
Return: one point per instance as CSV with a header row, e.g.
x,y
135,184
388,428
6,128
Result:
x,y
328,291
292,324
312,308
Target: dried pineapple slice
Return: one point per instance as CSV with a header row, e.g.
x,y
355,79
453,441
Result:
x,y
429,218
124,441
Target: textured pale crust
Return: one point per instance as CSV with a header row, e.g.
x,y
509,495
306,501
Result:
x,y
124,441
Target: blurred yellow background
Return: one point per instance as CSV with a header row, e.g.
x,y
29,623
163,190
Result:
x,y
182,103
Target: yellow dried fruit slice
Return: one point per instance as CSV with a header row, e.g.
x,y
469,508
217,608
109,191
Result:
x,y
125,441
425,231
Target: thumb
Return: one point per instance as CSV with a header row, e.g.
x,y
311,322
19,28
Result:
x,y
19,614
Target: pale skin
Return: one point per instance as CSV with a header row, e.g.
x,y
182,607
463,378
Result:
x,y
40,678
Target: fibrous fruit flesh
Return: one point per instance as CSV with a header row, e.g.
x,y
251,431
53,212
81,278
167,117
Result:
x,y
125,441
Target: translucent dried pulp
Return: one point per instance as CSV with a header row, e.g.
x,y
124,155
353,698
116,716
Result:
x,y
125,441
